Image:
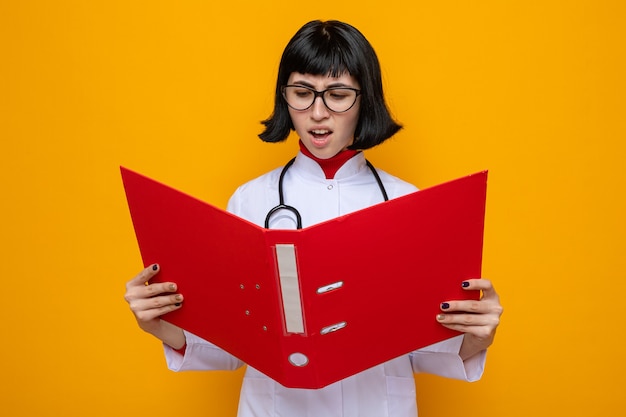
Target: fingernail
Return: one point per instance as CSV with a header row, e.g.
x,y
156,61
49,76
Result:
x,y
445,306
465,284
441,317
179,297
177,304
172,287
155,267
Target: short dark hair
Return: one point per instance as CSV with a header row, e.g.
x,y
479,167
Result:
x,y
334,47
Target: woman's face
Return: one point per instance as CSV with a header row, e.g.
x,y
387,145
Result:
x,y
323,132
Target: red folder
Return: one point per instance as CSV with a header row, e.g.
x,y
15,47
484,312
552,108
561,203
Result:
x,y
305,317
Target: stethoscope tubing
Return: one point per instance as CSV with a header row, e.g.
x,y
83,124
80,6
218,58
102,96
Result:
x,y
281,196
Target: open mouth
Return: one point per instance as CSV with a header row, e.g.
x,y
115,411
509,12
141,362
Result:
x,y
320,133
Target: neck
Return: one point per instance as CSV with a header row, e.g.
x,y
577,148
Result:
x,y
331,165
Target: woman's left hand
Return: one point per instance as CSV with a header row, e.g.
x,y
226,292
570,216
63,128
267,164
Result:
x,y
478,319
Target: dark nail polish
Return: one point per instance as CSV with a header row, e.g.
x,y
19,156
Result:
x,y
155,267
445,306
465,284
177,304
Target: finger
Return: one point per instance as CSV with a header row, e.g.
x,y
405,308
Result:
x,y
150,290
465,306
466,320
478,325
482,307
480,284
481,332
149,308
148,315
141,291
143,277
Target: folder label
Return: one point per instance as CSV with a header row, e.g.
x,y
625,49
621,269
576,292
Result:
x,y
290,287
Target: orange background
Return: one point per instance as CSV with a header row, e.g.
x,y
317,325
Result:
x,y
533,91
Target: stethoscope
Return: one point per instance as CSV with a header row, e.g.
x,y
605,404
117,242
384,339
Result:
x,y
281,197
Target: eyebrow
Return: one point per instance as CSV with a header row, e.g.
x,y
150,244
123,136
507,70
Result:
x,y
331,85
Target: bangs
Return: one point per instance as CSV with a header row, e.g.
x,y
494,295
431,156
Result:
x,y
322,60
321,52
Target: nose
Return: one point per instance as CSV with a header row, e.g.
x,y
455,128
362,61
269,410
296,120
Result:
x,y
319,110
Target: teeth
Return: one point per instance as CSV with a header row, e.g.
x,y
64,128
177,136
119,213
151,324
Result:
x,y
320,132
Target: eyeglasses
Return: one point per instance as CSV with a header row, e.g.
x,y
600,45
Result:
x,y
336,99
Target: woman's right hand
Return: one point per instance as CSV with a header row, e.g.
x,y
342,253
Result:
x,y
149,302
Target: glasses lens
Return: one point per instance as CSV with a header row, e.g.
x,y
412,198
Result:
x,y
299,98
336,99
339,99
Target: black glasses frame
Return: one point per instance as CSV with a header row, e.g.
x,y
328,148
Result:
x,y
320,94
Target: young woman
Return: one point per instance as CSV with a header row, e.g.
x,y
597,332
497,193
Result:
x,y
329,90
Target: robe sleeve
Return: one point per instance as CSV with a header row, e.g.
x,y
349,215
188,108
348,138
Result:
x,y
443,359
200,355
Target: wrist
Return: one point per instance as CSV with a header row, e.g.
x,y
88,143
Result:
x,y
167,333
472,345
